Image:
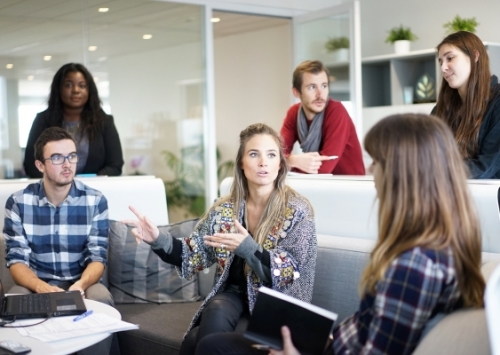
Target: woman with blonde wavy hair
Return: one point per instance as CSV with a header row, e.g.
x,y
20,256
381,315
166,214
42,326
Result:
x,y
261,234
426,262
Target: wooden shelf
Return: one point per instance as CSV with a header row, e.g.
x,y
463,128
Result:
x,y
410,55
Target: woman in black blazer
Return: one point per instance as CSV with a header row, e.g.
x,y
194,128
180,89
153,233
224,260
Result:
x,y
74,105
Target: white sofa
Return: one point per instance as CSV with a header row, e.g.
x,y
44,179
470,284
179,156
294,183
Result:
x,y
346,214
147,193
346,206
346,221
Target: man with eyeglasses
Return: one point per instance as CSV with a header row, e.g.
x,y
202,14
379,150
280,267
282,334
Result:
x,y
56,230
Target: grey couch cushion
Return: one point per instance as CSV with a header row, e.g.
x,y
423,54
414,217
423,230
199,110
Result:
x,y
5,276
339,266
137,275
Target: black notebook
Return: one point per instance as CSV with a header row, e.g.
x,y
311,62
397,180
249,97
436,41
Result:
x,y
310,325
41,305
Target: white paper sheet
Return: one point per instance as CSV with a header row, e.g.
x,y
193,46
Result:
x,y
60,328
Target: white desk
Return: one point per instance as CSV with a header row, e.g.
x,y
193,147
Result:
x,y
64,346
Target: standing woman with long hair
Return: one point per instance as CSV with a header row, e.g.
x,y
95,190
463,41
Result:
x,y
74,105
469,102
427,258
261,234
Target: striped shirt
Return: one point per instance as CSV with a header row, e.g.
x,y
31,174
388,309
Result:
x,y
418,284
57,243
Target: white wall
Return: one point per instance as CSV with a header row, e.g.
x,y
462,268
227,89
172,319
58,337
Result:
x,y
425,18
253,83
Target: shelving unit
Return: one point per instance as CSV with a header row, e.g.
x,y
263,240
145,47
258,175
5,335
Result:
x,y
385,76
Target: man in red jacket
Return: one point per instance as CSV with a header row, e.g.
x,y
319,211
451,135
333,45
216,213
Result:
x,y
321,125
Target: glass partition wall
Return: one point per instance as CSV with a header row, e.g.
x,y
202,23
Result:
x,y
148,61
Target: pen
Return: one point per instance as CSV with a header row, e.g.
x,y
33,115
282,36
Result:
x,y
83,315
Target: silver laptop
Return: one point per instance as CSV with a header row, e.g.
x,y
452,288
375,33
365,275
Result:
x,y
41,305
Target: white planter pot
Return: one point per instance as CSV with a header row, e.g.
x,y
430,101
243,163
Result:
x,y
342,55
402,46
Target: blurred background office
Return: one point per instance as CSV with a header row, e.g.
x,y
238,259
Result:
x,y
181,79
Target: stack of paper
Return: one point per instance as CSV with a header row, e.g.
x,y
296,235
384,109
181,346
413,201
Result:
x,y
61,328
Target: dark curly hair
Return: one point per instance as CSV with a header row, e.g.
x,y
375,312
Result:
x,y
92,115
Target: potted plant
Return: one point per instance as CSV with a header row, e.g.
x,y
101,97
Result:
x,y
339,47
461,24
401,38
186,191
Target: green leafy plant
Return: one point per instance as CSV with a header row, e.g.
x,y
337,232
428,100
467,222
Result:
x,y
187,189
461,24
400,33
336,43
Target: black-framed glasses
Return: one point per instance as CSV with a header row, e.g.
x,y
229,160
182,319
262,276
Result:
x,y
58,159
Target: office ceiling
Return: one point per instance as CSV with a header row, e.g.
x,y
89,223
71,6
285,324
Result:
x,y
234,23
32,29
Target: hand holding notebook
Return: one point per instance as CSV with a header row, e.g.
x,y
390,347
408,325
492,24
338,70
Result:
x,y
309,325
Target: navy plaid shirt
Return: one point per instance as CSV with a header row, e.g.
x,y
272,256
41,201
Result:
x,y
418,284
57,243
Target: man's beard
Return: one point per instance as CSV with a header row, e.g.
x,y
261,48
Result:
x,y
62,183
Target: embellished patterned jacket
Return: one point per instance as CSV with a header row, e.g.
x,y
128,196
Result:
x,y
291,244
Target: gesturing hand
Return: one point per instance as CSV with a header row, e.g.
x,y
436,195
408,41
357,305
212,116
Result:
x,y
229,241
308,162
143,229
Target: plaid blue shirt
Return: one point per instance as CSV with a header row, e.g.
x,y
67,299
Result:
x,y
57,243
418,284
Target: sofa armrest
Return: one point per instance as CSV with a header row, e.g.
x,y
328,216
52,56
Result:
x,y
462,332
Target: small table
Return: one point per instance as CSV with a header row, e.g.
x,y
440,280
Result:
x,y
67,346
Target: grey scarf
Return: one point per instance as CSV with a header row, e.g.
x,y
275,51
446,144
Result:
x,y
310,137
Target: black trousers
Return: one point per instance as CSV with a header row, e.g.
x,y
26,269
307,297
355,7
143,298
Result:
x,y
222,314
